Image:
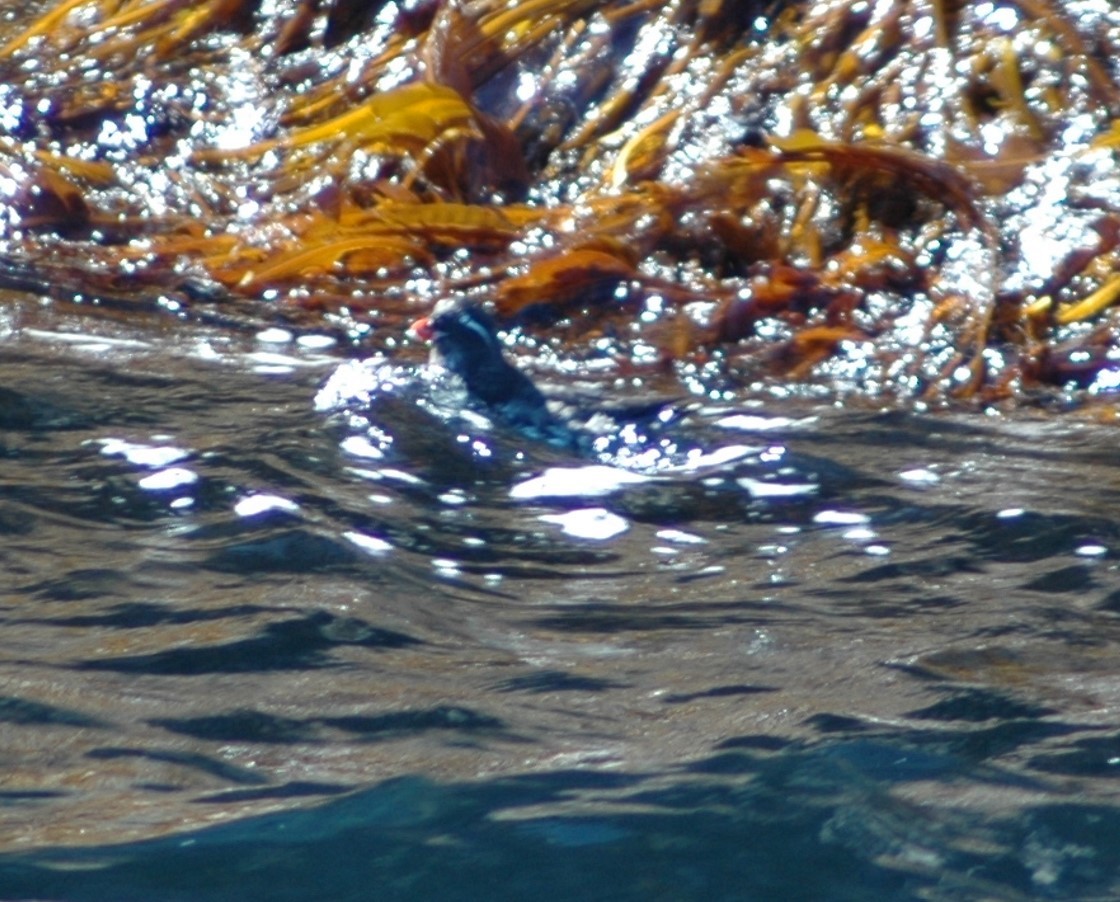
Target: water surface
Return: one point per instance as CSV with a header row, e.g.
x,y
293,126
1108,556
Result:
x,y
255,647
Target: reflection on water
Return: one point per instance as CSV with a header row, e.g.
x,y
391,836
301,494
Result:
x,y
248,644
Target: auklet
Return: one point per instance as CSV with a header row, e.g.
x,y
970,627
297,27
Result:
x,y
465,342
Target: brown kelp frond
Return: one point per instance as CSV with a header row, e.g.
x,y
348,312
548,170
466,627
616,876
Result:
x,y
881,167
919,198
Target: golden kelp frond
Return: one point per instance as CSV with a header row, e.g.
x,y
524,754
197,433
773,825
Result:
x,y
390,237
304,260
1104,297
1109,140
94,172
162,26
643,154
452,225
49,23
403,121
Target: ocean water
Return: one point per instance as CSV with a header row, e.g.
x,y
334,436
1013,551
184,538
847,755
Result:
x,y
279,623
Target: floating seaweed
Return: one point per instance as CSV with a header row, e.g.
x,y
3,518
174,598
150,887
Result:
x,y
909,200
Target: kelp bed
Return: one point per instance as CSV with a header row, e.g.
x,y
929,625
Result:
x,y
903,199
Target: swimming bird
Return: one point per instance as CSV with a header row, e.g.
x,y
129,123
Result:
x,y
465,342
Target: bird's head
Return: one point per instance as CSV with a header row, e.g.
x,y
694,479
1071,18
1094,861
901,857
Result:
x,y
465,342
464,338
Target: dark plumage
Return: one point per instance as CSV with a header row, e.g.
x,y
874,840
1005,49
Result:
x,y
465,342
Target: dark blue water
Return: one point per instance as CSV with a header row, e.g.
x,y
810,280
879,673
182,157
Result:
x,y
252,647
